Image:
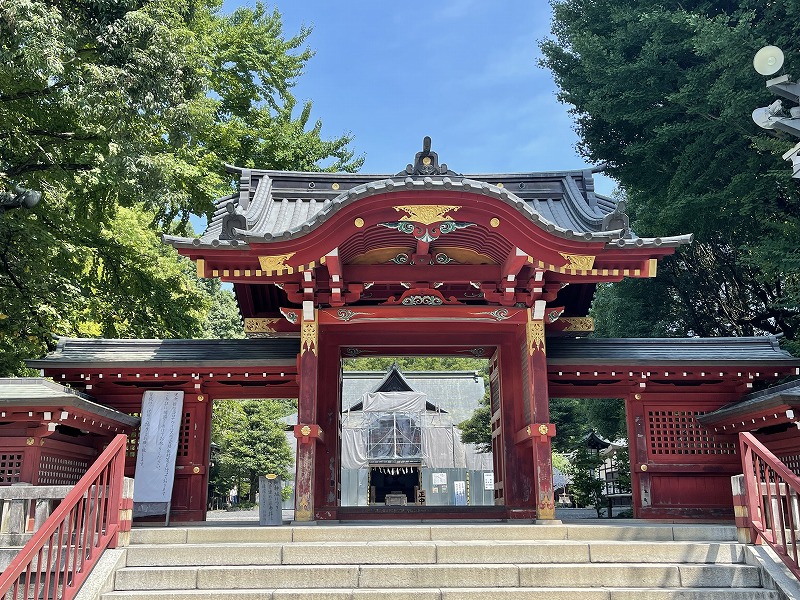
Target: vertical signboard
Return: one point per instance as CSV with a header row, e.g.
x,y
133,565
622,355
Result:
x,y
155,456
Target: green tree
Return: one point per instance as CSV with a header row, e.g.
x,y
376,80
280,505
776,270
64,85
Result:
x,y
662,93
478,429
132,105
587,488
224,321
251,442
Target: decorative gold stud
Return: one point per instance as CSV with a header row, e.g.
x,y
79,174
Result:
x,y
335,186
359,222
495,222
643,467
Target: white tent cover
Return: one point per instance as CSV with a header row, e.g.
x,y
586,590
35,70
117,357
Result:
x,y
389,402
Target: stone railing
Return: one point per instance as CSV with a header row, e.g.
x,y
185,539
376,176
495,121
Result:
x,y
23,509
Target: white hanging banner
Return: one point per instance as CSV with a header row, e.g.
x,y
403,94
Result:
x,y
158,445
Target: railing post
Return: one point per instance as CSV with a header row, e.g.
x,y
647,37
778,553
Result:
x,y
744,533
123,537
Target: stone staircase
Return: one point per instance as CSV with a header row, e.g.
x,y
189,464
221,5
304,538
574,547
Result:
x,y
439,562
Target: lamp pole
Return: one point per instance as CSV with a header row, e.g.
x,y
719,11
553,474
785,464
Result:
x,y
19,198
768,62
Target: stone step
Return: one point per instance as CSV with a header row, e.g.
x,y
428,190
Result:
x,y
454,532
441,552
517,593
436,576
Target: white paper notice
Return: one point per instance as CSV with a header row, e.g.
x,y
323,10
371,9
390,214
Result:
x,y
158,445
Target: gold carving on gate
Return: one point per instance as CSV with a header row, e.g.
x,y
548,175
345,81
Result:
x,y
547,508
543,429
276,263
303,512
579,262
259,325
308,337
426,214
577,323
535,335
305,430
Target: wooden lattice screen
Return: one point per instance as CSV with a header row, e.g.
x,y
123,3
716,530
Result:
x,y
677,433
10,468
60,470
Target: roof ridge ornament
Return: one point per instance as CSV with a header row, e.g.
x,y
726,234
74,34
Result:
x,y
426,162
618,219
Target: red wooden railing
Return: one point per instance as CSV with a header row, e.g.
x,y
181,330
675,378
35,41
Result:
x,y
58,559
771,492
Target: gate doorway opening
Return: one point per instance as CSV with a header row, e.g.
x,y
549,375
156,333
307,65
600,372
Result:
x,y
401,444
395,485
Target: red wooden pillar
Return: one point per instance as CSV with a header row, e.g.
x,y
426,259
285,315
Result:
x,y
539,429
306,431
637,449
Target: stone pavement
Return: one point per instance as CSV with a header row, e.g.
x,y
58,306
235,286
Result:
x,y
564,514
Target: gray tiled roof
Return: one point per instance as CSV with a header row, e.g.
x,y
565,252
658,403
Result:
x,y
76,352
669,351
40,392
281,205
457,392
774,397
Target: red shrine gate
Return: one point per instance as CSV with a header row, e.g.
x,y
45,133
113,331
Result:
x,y
428,262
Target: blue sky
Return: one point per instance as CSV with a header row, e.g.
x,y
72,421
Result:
x,y
461,71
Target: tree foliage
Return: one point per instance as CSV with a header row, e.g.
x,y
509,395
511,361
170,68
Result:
x,y
587,488
478,429
574,418
251,442
662,93
123,113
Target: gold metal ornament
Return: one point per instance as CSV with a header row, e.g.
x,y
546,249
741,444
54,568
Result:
x,y
259,325
543,429
579,262
535,334
200,398
196,470
335,186
359,222
495,222
305,430
643,467
276,264
308,337
30,441
577,323
426,214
